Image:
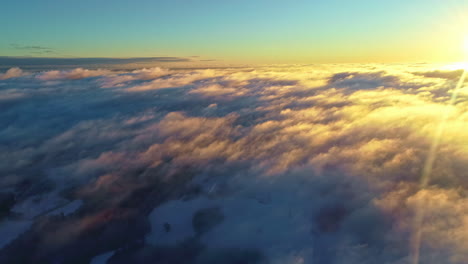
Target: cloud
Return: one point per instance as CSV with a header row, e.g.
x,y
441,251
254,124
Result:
x,y
324,160
216,90
452,75
135,75
78,73
174,80
12,73
33,48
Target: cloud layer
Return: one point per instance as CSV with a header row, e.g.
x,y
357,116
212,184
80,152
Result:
x,y
273,164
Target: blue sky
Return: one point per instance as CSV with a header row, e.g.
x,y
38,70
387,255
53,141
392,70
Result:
x,y
269,31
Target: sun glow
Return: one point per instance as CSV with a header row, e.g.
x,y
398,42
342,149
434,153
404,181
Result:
x,y
462,65
455,66
465,46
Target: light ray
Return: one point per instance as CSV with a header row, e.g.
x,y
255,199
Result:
x,y
427,170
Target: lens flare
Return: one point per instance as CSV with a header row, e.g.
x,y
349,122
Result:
x,y
427,170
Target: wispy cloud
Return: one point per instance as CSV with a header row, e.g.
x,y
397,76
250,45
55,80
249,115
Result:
x,y
33,48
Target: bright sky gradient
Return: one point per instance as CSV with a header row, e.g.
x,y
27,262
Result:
x,y
250,31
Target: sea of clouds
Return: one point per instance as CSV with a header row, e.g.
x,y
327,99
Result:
x,y
266,164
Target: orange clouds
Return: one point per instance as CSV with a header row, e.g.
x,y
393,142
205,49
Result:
x,y
12,73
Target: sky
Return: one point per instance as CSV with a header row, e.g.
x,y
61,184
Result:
x,y
261,132
261,31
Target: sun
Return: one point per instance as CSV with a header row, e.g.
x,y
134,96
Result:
x,y
463,63
465,46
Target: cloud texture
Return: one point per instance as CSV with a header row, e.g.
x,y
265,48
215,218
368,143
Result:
x,y
273,164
